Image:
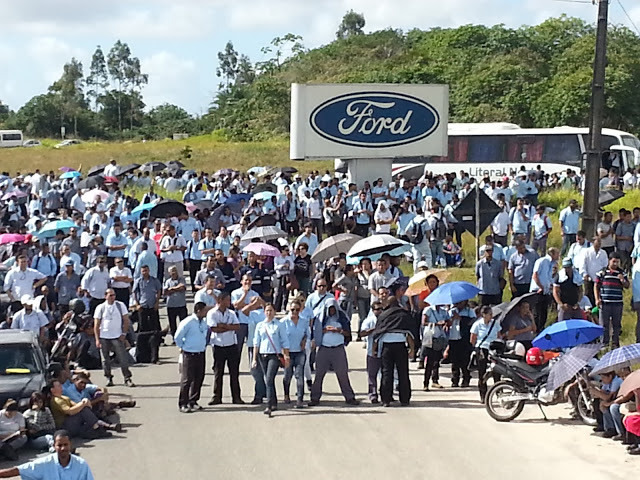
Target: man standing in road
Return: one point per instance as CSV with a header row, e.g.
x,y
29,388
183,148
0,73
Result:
x,y
594,260
172,247
541,283
244,301
146,294
224,325
30,319
111,323
66,286
567,289
191,338
96,281
609,285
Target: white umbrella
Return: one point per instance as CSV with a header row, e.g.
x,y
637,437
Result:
x,y
269,232
94,196
379,243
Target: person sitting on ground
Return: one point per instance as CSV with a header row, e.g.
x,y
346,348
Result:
x,y
607,394
80,387
452,252
40,423
12,430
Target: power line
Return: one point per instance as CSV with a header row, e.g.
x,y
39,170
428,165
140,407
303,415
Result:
x,y
629,17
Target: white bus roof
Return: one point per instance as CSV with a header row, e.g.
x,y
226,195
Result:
x,y
513,129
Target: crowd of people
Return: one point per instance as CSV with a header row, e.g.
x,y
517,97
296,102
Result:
x,y
71,249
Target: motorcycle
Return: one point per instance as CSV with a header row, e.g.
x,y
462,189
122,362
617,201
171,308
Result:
x,y
522,383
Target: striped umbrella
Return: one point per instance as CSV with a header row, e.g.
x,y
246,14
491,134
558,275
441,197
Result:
x,y
618,358
571,363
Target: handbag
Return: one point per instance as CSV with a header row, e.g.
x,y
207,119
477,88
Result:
x,y
280,356
473,360
429,341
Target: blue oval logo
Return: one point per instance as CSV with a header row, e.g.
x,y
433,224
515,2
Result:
x,y
374,119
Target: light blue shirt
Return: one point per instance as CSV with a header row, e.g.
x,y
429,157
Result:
x,y
150,260
480,329
206,244
193,252
570,220
368,324
435,315
541,224
296,332
314,303
255,317
191,335
69,390
403,222
332,339
188,226
223,244
49,467
270,337
635,282
362,218
544,268
519,224
393,337
237,295
114,240
202,296
46,265
311,241
454,331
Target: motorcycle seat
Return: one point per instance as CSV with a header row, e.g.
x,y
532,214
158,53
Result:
x,y
533,371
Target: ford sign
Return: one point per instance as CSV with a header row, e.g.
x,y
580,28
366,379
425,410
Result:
x,y
374,119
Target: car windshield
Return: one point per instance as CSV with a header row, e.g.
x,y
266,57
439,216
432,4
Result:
x,y
18,359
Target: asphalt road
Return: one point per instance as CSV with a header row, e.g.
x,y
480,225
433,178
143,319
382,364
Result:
x,y
444,434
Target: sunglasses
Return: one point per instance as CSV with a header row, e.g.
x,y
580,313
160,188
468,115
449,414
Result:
x,y
295,309
322,285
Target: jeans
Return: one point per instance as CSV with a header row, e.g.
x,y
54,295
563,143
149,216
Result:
x,y
295,368
541,310
611,318
81,424
194,268
432,365
282,294
364,305
260,389
374,364
567,240
115,345
43,442
241,335
613,419
436,251
270,364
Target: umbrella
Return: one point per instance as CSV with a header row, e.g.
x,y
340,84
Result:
x,y
7,238
49,230
175,164
380,243
168,208
264,187
143,207
203,203
153,167
631,383
97,170
263,221
618,358
237,198
417,283
91,182
567,333
334,246
175,172
66,169
236,209
264,233
127,169
263,196
262,249
71,174
609,196
452,292
501,311
224,172
14,193
257,170
284,170
94,196
355,260
571,363
111,180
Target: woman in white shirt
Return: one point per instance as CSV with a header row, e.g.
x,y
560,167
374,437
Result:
x,y
383,217
314,212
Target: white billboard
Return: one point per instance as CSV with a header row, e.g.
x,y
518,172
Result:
x,y
372,120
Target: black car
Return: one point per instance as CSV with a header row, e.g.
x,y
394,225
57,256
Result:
x,y
22,366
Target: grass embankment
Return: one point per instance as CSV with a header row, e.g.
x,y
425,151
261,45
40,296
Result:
x,y
209,154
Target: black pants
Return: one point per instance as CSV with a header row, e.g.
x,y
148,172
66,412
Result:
x,y
191,378
521,289
281,297
491,299
93,304
293,228
395,356
483,362
588,291
148,320
194,268
541,311
432,364
122,295
174,313
231,356
459,353
361,229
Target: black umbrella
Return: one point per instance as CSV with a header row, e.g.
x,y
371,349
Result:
x,y
91,182
176,172
153,167
286,170
263,221
609,196
501,311
175,163
236,210
264,187
97,170
204,203
123,170
168,208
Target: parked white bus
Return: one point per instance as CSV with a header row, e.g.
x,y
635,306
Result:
x,y
496,149
10,138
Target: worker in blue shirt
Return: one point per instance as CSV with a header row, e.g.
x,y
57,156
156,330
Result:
x,y
191,338
61,464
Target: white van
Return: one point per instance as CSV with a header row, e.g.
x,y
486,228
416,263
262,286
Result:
x,y
10,138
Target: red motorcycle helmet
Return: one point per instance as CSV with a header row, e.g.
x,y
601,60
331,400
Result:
x,y
535,356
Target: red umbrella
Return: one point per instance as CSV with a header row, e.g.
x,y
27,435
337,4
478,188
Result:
x,y
6,238
111,180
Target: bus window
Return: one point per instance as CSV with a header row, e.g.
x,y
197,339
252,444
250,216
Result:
x,y
485,149
564,149
11,137
458,149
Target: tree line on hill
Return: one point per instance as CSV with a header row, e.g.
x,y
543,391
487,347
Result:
x,y
533,76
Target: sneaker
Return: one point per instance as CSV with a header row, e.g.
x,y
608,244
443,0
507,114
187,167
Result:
x,y
425,388
185,409
634,451
436,385
110,382
116,427
129,383
267,411
195,407
617,438
215,401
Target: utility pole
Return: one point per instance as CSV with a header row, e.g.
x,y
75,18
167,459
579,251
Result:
x,y
594,154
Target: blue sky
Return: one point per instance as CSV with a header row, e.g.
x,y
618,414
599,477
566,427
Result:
x,y
178,41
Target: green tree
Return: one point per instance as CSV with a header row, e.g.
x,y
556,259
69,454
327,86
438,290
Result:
x,y
4,112
352,24
69,93
135,79
117,105
98,79
227,65
118,61
39,116
281,49
165,120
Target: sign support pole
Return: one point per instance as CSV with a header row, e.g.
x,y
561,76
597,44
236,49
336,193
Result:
x,y
477,222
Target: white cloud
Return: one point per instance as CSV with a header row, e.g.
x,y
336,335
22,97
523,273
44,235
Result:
x,y
49,54
171,80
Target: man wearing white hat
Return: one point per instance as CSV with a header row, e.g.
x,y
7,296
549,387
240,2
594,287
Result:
x,y
30,319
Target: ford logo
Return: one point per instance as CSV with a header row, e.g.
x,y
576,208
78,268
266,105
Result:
x,y
374,119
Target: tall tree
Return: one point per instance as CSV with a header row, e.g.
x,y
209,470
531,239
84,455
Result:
x,y
246,74
135,80
352,24
98,79
4,111
227,65
118,61
69,91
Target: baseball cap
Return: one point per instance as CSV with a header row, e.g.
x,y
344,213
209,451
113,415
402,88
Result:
x,y
422,264
26,299
566,262
69,263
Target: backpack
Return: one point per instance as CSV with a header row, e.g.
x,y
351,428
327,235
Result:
x,y
416,235
440,230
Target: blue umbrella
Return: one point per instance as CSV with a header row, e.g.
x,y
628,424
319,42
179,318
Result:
x,y
618,358
264,196
71,174
237,197
571,363
50,229
142,208
452,292
567,333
